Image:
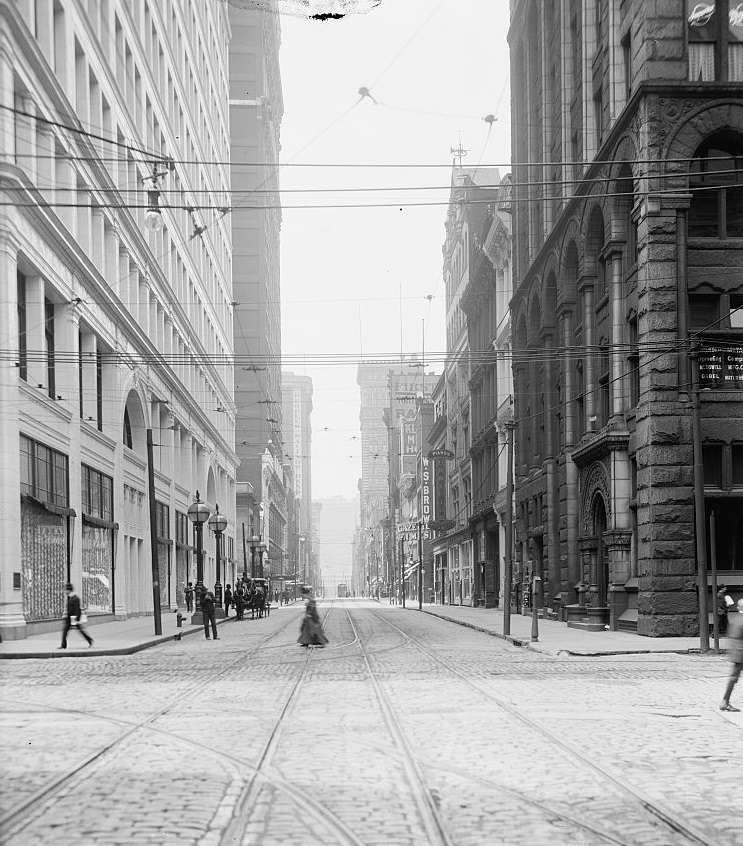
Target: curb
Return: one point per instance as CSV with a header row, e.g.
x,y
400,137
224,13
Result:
x,y
527,643
98,653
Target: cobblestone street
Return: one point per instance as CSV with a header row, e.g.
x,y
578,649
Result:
x,y
406,729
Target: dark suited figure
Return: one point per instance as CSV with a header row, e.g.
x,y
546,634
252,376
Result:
x,y
189,597
227,600
209,614
239,600
724,604
72,619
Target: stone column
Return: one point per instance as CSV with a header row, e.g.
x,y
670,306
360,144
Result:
x,y
88,353
616,298
571,469
26,138
12,621
111,268
7,97
97,239
35,340
589,357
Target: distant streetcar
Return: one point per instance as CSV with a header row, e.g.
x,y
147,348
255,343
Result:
x,y
342,591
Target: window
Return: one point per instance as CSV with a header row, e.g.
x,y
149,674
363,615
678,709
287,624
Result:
x,y
598,116
580,414
712,460
704,311
127,438
97,493
22,340
44,473
736,455
162,519
49,338
716,182
627,64
181,527
715,38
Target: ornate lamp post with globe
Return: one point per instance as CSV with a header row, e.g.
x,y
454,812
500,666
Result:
x,y
198,514
218,523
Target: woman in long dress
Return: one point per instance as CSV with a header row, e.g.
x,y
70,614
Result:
x,y
311,633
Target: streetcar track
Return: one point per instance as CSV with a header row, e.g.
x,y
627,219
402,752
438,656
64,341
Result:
x,y
12,820
245,805
260,775
424,799
652,807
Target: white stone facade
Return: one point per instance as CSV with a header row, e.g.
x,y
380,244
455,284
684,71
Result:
x,y
109,328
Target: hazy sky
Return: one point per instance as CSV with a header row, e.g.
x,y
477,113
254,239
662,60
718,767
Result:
x,y
352,278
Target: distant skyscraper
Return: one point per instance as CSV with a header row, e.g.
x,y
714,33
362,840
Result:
x,y
256,108
297,411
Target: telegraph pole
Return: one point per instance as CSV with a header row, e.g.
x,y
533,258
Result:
x,y
153,537
508,570
420,565
699,518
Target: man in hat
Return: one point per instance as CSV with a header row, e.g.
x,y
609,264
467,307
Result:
x,y
735,655
209,613
723,605
72,618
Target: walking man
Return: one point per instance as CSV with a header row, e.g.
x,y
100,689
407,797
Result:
x,y
189,597
72,619
209,614
735,655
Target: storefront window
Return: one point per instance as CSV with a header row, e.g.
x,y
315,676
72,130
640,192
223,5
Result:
x,y
44,473
97,493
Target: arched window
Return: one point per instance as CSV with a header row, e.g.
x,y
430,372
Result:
x,y
128,440
716,182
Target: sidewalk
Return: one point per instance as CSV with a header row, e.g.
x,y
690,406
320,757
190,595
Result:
x,y
556,638
122,637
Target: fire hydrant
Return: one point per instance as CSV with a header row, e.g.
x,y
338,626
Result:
x,y
179,618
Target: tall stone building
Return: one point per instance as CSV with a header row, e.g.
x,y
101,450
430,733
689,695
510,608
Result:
x,y
115,319
388,395
256,108
466,547
628,216
297,401
485,302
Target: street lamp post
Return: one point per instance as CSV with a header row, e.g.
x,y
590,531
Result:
x,y
254,541
218,523
261,549
198,514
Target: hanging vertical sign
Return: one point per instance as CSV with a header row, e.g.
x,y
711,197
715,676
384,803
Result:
x,y
440,523
409,438
425,490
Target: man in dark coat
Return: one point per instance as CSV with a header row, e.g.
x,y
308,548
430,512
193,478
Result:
x,y
189,597
239,600
227,600
724,603
735,655
72,618
209,614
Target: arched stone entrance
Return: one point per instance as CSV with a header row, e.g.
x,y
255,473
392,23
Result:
x,y
592,610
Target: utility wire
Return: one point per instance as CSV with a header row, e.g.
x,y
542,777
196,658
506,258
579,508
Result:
x,y
383,205
494,186
152,155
